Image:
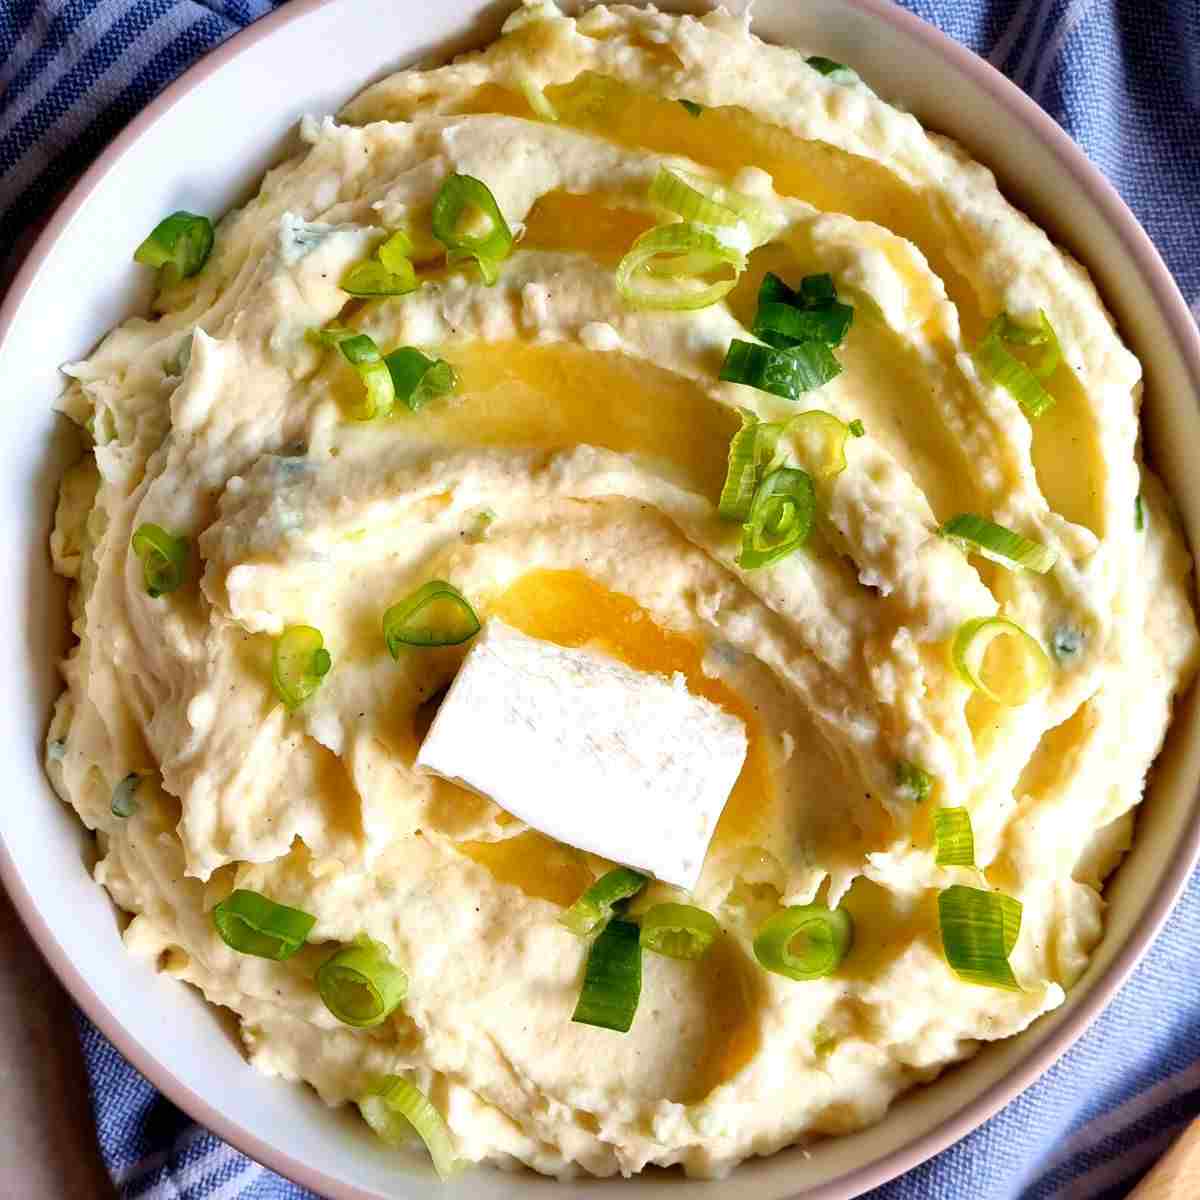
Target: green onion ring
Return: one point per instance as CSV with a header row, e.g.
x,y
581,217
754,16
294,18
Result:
x,y
455,199
999,544
970,646
179,245
678,930
827,937
124,797
612,982
780,519
164,559
595,906
416,378
954,837
250,923
914,784
299,663
640,275
395,1109
360,984
979,930
411,621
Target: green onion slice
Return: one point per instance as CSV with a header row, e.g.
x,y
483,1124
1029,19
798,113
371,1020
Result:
x,y
666,268
466,201
998,363
820,439
913,783
251,923
416,378
164,559
612,981
395,253
691,107
979,930
374,279
395,1109
678,930
179,245
1001,545
361,352
360,984
806,941
436,614
788,373
752,450
124,797
780,519
1024,672
299,663
595,906
784,325
703,202
537,101
857,428
954,837
1139,513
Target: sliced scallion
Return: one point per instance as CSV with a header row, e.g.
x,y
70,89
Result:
x,y
1139,513
436,614
691,107
299,662
678,930
462,204
999,544
124,797
857,428
595,906
1001,366
56,751
788,373
250,923
784,325
396,1109
417,378
913,783
374,279
666,267
164,559
780,518
1024,673
396,252
703,202
806,941
361,352
612,981
751,451
820,439
360,984
979,930
954,837
179,245
836,71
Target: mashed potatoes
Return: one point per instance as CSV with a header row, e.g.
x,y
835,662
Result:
x,y
569,485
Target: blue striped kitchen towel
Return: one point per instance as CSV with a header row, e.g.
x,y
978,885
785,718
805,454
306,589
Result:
x,y
1124,79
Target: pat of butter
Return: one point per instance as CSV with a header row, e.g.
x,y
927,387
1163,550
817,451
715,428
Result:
x,y
587,750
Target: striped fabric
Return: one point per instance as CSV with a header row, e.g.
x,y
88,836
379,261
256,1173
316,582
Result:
x,y
1123,78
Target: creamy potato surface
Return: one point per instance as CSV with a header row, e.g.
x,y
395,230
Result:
x,y
569,485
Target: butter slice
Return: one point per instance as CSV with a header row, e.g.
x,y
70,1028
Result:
x,y
585,749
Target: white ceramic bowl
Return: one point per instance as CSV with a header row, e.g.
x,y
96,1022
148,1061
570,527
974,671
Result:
x,y
203,145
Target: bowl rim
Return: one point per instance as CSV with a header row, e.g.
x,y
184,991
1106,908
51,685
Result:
x,y
1184,333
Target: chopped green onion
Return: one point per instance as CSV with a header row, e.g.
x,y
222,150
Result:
x,y
436,614
1001,545
783,325
913,783
417,378
751,450
360,351
395,1109
1139,513
123,798
678,930
1065,642
806,941
164,559
179,245
299,663
1000,365
480,524
460,200
954,837
595,906
250,923
857,428
374,279
780,518
537,101
360,984
395,253
56,751
703,202
816,290
838,72
1022,680
665,266
979,930
787,373
821,440
692,108
612,981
